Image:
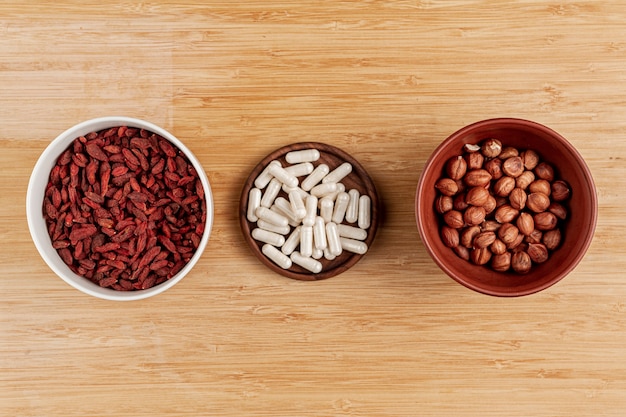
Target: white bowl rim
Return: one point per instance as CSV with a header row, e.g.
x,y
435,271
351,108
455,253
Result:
x,y
34,202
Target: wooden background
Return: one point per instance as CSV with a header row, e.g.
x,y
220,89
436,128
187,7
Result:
x,y
383,80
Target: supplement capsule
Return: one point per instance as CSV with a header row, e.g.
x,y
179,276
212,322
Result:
x,y
300,170
292,241
351,245
338,173
364,211
323,190
352,212
351,232
306,262
306,240
340,189
272,238
306,155
254,201
326,209
311,211
341,205
276,256
297,205
332,236
328,256
271,216
265,177
270,193
283,176
319,233
271,227
317,253
314,177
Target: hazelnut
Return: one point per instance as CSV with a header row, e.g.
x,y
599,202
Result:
x,y
525,223
560,190
540,186
443,203
489,225
471,147
494,167
544,171
498,247
517,198
518,244
474,215
474,160
538,202
454,219
504,186
508,233
505,214
513,166
552,239
456,167
490,204
530,159
447,186
468,234
508,152
477,178
484,239
480,256
524,180
459,202
521,262
538,252
501,262
558,210
462,252
545,221
450,236
477,196
491,148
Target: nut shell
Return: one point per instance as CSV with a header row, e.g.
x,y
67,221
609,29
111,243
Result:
x,y
513,166
538,202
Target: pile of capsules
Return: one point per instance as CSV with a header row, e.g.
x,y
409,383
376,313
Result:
x,y
315,217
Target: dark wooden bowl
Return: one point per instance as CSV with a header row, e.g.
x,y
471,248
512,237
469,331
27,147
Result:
x,y
358,179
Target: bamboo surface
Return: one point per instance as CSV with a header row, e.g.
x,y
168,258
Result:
x,y
386,81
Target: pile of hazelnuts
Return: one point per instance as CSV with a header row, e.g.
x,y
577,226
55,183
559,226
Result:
x,y
501,206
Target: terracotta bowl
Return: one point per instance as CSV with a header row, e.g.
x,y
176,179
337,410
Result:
x,y
577,230
358,179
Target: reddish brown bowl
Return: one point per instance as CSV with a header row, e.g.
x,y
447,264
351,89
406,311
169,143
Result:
x,y
577,230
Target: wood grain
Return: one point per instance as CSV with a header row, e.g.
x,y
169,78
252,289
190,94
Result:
x,y
386,81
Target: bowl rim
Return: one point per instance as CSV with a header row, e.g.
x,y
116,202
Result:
x,y
34,201
586,173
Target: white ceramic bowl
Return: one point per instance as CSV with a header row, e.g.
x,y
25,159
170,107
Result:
x,y
37,225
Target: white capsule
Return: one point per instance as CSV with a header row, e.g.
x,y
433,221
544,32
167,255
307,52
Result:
x,y
352,245
265,236
340,189
332,236
300,170
306,262
292,221
283,176
271,227
306,240
326,209
270,193
364,211
328,255
317,253
352,211
283,206
297,205
314,177
311,211
254,201
338,173
323,190
265,177
271,216
319,233
292,241
276,256
341,205
351,232
306,155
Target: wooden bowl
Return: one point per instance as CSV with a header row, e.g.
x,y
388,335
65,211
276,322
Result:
x,y
577,230
358,179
